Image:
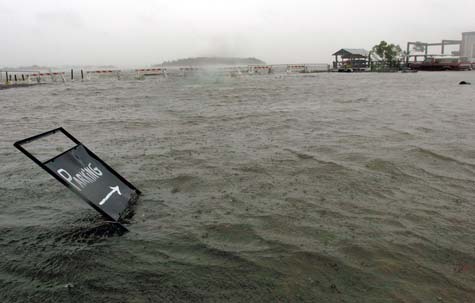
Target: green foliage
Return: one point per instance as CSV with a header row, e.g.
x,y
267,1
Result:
x,y
387,52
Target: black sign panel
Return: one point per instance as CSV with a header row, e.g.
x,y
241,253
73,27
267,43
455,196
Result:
x,y
88,176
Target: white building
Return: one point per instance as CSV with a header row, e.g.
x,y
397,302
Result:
x,y
467,48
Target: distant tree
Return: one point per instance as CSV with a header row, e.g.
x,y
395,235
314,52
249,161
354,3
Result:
x,y
380,48
387,52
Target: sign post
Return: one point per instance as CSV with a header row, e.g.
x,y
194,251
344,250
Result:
x,y
84,173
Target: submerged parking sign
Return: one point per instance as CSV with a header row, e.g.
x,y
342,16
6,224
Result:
x,y
88,176
85,175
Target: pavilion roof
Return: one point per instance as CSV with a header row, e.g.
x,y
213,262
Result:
x,y
352,52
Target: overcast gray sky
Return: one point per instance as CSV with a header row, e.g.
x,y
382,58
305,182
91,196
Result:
x,y
143,32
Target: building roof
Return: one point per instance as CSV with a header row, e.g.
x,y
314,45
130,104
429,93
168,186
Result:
x,y
353,52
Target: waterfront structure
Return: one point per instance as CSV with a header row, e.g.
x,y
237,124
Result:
x,y
467,47
441,64
466,51
351,59
425,46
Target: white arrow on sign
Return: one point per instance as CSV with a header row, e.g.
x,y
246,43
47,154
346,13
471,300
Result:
x,y
115,189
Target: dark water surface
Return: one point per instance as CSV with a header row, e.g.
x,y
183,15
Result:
x,y
324,188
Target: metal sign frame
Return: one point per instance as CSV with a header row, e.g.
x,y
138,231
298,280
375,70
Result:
x,y
19,146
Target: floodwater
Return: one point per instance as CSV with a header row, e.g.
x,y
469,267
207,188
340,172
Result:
x,y
273,188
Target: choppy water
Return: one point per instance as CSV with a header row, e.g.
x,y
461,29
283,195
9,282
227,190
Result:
x,y
324,188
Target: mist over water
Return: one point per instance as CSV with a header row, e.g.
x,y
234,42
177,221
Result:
x,y
111,32
272,188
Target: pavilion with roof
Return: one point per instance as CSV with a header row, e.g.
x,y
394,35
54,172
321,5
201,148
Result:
x,y
351,59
